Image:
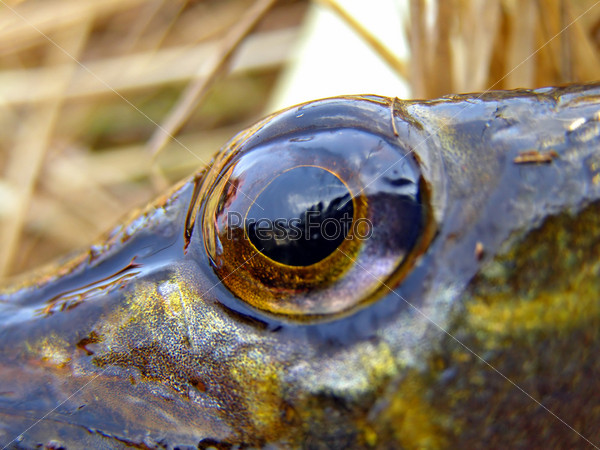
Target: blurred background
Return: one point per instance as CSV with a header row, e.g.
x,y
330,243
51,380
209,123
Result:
x,y
91,90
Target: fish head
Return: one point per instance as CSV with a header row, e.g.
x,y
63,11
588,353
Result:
x,y
459,306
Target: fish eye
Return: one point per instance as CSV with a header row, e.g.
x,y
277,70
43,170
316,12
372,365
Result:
x,y
310,213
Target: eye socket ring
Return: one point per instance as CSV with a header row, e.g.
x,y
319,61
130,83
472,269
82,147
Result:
x,y
388,195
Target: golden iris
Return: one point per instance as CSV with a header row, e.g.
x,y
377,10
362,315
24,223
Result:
x,y
307,213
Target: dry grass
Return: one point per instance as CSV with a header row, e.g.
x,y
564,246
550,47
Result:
x,y
84,85
474,45
83,88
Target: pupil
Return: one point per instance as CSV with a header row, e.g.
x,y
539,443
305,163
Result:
x,y
301,217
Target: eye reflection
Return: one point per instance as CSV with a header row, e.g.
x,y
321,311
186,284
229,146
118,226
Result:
x,y
301,217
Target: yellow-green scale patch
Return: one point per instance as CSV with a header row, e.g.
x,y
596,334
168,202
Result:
x,y
533,314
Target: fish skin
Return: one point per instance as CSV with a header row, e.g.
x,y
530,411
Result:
x,y
137,343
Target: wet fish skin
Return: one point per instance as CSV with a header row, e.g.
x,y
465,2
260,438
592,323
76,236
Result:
x,y
137,343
